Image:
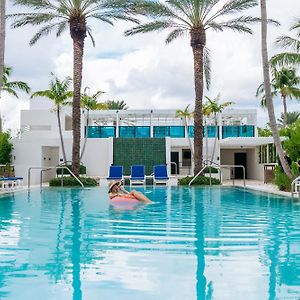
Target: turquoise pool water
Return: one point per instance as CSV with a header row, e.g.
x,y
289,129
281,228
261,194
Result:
x,y
200,243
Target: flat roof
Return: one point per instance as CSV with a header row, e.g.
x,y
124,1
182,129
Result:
x,y
248,142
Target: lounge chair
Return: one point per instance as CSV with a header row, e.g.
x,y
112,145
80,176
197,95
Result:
x,y
160,175
115,173
11,182
137,175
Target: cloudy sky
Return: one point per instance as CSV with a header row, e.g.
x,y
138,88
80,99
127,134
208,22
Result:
x,y
142,70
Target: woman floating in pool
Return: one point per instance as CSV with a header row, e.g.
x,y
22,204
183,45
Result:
x,y
117,192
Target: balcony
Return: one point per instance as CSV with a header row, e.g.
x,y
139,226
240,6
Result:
x,y
169,131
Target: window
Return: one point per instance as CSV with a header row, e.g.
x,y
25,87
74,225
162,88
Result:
x,y
186,158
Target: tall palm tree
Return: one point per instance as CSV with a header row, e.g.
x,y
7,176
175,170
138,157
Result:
x,y
213,107
2,38
58,16
267,87
186,115
89,103
285,82
58,92
194,18
116,105
289,43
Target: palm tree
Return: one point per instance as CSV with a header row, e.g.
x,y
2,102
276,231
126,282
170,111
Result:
x,y
186,115
195,18
59,16
60,94
213,107
11,87
90,103
289,43
284,83
291,118
267,87
116,105
2,38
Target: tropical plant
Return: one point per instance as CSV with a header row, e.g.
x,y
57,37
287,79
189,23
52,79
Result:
x,y
289,43
213,107
58,92
116,105
58,16
88,103
292,143
11,87
2,38
186,115
195,18
267,88
291,118
285,83
6,148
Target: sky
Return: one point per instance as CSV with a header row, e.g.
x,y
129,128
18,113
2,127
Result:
x,y
142,70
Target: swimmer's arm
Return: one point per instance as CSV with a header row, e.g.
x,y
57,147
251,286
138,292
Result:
x,y
113,195
123,190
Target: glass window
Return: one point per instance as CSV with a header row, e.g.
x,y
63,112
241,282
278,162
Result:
x,y
161,131
142,131
177,131
126,131
96,132
186,158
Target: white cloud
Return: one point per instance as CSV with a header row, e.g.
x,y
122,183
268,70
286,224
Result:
x,y
142,70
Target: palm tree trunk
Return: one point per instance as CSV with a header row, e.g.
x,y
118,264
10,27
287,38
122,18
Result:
x,y
2,46
206,139
198,40
61,136
285,112
86,134
216,137
267,86
78,34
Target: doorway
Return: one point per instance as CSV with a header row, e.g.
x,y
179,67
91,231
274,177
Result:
x,y
241,160
174,160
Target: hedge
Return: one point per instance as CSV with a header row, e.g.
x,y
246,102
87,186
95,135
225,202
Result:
x,y
200,180
72,182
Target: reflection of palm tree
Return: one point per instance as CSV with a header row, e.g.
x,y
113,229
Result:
x,y
76,243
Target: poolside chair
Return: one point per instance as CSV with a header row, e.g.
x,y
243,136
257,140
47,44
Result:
x,y
137,175
160,175
10,183
115,173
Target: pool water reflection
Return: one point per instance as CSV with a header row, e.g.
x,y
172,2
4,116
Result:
x,y
199,243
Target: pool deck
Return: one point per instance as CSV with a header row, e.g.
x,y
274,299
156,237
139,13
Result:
x,y
259,186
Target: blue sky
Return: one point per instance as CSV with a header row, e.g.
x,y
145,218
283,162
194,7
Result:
x,y
142,70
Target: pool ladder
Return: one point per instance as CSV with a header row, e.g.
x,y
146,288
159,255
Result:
x,y
295,187
43,169
210,163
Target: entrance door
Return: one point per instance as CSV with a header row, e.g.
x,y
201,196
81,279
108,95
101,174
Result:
x,y
240,159
174,159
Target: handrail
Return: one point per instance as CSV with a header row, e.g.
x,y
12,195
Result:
x,y
293,186
43,169
220,168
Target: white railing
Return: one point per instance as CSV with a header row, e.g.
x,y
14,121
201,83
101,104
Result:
x,y
209,163
295,187
44,169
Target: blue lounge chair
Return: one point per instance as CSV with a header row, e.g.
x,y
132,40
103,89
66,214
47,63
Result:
x,y
115,173
137,175
160,175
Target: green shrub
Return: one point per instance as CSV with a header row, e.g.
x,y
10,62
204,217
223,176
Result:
x,y
82,170
212,170
282,181
72,182
200,180
6,148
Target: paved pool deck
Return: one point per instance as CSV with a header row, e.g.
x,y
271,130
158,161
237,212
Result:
x,y
259,186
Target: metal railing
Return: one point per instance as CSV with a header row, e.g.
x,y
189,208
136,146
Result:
x,y
209,163
295,187
44,169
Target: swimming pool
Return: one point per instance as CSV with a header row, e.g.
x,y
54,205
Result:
x,y
198,243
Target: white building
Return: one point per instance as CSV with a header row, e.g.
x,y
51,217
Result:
x,y
146,137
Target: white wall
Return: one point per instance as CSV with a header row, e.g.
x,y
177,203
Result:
x,y
28,153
